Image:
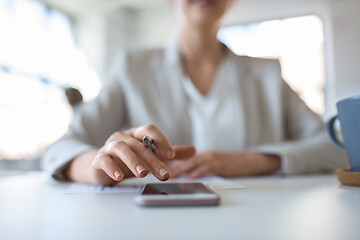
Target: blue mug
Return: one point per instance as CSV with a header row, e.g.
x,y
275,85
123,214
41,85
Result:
x,y
349,116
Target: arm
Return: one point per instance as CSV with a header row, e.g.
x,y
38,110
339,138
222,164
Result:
x,y
226,164
306,148
92,125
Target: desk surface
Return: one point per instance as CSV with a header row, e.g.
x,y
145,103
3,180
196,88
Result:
x,y
33,206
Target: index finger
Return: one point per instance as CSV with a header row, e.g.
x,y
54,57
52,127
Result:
x,y
161,142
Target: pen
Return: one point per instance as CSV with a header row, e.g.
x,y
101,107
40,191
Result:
x,y
148,142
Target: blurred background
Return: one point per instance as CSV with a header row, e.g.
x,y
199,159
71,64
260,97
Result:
x,y
47,46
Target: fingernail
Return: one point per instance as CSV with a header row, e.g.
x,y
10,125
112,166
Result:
x,y
163,171
117,174
170,154
140,169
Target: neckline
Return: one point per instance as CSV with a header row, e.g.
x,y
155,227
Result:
x,y
173,61
215,87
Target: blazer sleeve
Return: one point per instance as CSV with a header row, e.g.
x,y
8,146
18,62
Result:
x,y
306,148
92,124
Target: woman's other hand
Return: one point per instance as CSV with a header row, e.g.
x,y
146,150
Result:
x,y
225,164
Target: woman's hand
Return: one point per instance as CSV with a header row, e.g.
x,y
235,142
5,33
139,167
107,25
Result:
x,y
226,164
124,155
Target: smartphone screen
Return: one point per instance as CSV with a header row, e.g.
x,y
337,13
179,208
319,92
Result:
x,y
178,188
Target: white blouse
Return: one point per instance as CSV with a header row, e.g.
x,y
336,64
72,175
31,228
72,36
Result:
x,y
219,109
249,106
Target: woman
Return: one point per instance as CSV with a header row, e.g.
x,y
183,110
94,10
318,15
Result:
x,y
237,111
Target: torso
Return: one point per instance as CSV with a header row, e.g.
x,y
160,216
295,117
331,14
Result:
x,y
230,116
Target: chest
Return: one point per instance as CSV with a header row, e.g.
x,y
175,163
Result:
x,y
233,115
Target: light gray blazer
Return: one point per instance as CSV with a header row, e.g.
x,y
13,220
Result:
x,y
147,87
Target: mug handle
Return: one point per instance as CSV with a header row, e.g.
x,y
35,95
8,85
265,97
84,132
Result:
x,y
332,136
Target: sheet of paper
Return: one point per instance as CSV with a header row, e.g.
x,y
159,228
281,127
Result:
x,y
213,182
76,188
206,180
5,173
227,186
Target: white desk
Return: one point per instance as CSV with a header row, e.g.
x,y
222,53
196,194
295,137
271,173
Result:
x,y
33,206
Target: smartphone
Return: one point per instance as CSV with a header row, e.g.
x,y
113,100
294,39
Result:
x,y
176,194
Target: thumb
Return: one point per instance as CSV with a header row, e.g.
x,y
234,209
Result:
x,y
184,151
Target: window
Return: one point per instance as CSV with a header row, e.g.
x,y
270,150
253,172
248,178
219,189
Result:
x,y
296,42
38,58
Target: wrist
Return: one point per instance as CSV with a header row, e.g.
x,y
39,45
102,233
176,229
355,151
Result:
x,y
253,163
270,163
